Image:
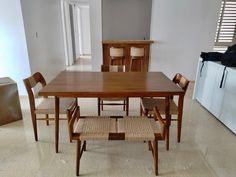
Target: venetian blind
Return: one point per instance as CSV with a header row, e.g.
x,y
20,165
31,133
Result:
x,y
225,33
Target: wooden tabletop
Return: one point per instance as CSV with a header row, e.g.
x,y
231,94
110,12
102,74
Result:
x,y
107,84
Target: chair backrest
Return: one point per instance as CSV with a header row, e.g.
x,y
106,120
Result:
x,y
113,68
181,81
30,83
136,52
116,52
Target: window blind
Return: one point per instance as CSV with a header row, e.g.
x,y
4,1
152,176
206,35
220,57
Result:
x,y
225,32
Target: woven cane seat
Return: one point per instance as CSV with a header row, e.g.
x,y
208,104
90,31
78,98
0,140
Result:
x,y
150,103
95,128
100,128
138,128
47,105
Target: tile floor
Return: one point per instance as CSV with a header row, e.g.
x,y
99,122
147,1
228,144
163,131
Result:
x,y
207,148
82,64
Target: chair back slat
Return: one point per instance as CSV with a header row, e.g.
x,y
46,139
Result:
x,y
33,80
181,81
116,52
30,83
136,52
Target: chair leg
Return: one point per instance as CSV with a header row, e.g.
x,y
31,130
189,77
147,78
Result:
x,y
149,145
68,124
47,121
145,112
130,65
167,138
127,106
78,157
34,122
85,145
179,117
99,107
179,126
124,104
168,120
141,110
155,156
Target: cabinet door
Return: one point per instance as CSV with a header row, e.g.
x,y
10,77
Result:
x,y
199,81
208,86
217,91
207,89
228,112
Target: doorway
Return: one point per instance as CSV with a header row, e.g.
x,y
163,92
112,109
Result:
x,y
76,32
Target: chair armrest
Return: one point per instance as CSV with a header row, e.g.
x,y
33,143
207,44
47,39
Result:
x,y
163,124
74,114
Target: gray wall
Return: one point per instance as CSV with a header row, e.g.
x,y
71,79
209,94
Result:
x,y
85,30
96,33
43,27
126,19
182,29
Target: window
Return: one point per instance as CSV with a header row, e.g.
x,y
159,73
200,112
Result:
x,y
225,33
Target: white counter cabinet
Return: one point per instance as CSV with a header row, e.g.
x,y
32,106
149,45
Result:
x,y
228,107
218,98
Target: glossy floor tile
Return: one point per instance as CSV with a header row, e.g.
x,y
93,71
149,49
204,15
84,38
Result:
x,y
207,148
84,63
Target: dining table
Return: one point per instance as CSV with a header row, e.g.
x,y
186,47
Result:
x,y
76,84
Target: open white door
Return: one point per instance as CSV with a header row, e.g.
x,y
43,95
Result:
x,y
67,35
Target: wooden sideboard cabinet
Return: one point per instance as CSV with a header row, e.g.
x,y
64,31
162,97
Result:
x,y
126,45
10,109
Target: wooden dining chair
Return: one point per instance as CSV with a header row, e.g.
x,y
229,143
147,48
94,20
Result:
x,y
136,55
47,105
117,56
103,128
113,101
147,104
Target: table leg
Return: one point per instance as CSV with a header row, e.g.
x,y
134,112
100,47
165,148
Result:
x,y
57,103
168,119
180,115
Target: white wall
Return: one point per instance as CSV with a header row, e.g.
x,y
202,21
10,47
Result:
x,y
85,30
77,31
126,19
13,51
182,30
43,26
96,33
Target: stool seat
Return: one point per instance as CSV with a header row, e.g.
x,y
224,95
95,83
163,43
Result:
x,y
133,128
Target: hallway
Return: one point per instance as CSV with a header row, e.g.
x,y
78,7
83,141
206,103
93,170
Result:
x,y
82,64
